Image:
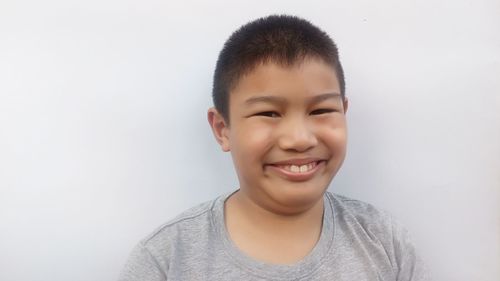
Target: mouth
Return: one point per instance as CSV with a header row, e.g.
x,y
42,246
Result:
x,y
297,170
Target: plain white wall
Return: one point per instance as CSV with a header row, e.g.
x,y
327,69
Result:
x,y
103,132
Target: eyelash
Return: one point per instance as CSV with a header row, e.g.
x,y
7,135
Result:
x,y
322,111
274,114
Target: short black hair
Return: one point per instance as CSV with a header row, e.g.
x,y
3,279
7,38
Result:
x,y
280,39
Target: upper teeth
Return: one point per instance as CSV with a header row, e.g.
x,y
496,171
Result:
x,y
299,169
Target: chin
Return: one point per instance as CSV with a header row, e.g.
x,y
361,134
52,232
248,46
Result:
x,y
296,198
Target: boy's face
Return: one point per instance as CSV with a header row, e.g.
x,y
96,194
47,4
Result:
x,y
287,133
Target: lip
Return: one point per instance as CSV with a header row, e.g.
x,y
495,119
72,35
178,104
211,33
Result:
x,y
297,161
298,177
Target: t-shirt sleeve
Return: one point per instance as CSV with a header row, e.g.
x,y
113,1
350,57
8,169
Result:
x,y
409,263
142,266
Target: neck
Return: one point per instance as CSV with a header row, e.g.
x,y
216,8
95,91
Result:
x,y
270,236
306,220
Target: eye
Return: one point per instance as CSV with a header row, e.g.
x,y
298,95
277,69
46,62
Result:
x,y
322,111
272,114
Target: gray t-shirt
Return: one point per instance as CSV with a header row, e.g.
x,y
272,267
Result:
x,y
357,242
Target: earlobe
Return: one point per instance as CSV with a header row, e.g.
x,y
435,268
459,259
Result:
x,y
219,128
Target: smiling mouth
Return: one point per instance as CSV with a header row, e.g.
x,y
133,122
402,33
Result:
x,y
298,169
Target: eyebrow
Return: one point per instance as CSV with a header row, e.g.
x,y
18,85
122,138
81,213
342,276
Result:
x,y
326,96
282,100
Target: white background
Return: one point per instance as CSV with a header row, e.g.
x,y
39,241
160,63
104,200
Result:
x,y
103,132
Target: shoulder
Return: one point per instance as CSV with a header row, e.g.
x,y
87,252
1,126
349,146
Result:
x,y
188,220
151,257
377,229
355,218
361,211
180,237
191,225
368,216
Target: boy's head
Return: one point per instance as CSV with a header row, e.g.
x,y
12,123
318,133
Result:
x,y
281,39
279,81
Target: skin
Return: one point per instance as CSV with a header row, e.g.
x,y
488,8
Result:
x,y
282,116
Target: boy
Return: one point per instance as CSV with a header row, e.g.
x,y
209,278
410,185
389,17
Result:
x,y
280,108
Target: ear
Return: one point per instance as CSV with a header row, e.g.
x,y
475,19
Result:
x,y
219,128
345,102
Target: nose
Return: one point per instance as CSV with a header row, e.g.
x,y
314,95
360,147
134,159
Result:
x,y
297,135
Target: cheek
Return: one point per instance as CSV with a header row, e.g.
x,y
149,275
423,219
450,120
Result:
x,y
335,137
252,141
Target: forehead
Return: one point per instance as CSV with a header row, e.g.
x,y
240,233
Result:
x,y
302,79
